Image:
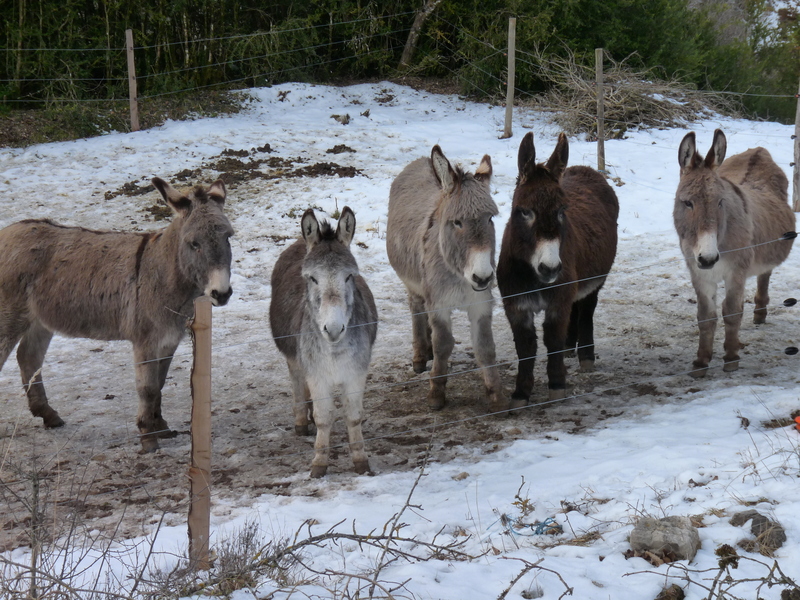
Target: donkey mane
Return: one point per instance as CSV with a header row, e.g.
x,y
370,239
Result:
x,y
326,231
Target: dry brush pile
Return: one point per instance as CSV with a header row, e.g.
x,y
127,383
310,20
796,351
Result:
x,y
632,97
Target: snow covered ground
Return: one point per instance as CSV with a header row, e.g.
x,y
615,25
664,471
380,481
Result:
x,y
638,438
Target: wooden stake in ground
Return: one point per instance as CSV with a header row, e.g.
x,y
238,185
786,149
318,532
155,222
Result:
x,y
200,469
512,51
796,173
601,110
134,98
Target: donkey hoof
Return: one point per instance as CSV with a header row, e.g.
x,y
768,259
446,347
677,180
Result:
x,y
361,467
318,471
436,401
699,372
149,444
557,393
760,317
420,366
53,421
587,366
731,365
301,430
517,404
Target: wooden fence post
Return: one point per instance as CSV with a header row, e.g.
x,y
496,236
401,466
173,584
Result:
x,y
132,93
601,110
796,173
200,469
512,51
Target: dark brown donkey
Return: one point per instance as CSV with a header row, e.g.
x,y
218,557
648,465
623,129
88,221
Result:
x,y
731,218
112,285
558,247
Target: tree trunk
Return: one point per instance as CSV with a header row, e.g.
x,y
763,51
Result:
x,y
413,36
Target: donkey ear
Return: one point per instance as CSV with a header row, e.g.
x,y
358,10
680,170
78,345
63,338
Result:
x,y
179,203
687,150
716,154
216,191
310,227
347,226
484,171
559,158
526,158
442,169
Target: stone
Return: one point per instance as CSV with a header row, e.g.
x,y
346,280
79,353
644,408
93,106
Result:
x,y
673,592
673,537
769,535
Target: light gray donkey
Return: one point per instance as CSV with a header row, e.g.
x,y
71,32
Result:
x,y
324,321
112,285
441,242
731,218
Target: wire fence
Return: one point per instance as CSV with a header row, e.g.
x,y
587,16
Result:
x,y
116,56
375,389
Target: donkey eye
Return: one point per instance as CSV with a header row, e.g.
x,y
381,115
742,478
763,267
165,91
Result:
x,y
688,203
458,224
526,213
313,279
349,277
194,245
561,212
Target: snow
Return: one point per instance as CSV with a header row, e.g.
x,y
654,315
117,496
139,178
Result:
x,y
686,454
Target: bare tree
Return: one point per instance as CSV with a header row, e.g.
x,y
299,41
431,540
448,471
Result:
x,y
413,35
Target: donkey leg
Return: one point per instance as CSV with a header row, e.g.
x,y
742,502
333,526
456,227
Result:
x,y
732,307
522,327
480,317
302,397
163,369
353,396
762,298
323,417
421,331
30,356
554,332
572,331
706,322
149,420
585,331
443,342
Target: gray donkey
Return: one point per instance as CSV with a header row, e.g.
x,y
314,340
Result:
x,y
730,217
112,285
324,321
441,242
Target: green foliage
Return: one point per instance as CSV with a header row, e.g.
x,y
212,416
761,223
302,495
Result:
x,y
183,45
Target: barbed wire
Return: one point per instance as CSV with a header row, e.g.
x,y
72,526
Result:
x,y
428,312
271,54
268,74
273,32
436,424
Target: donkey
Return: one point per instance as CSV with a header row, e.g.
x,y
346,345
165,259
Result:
x,y
324,320
113,285
731,218
558,246
440,240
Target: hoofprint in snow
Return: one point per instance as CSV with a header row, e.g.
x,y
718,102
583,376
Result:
x,y
637,437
